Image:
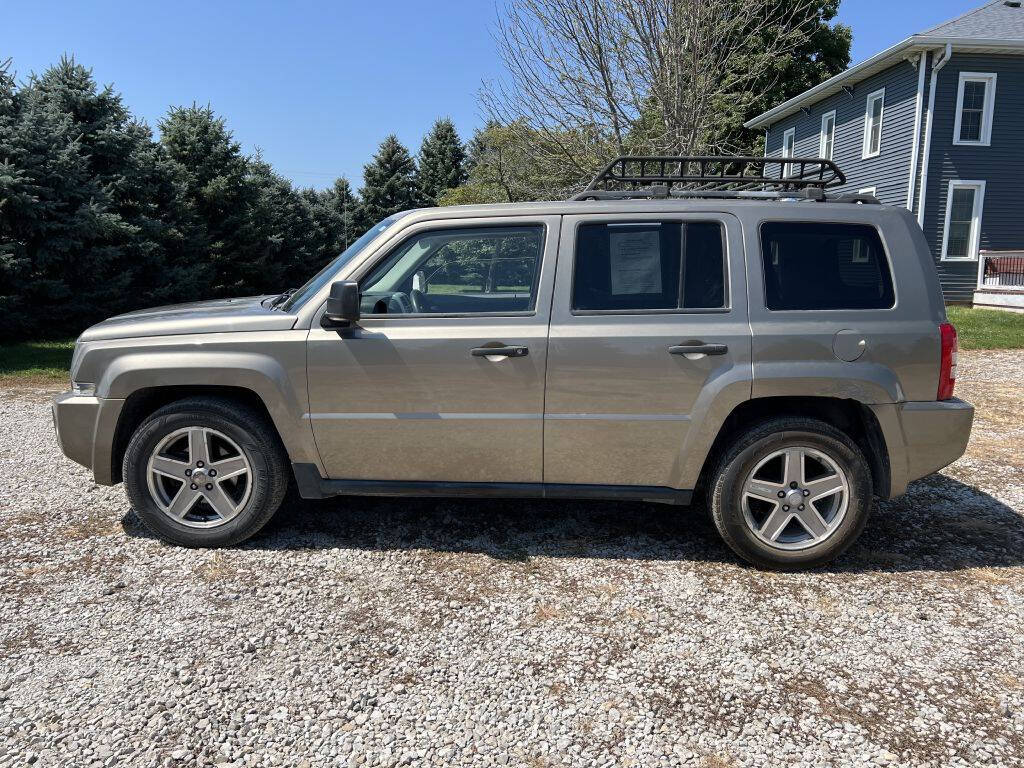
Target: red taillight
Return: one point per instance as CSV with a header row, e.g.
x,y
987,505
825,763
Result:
x,y
947,364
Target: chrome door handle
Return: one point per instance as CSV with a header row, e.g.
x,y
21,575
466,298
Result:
x,y
500,351
698,349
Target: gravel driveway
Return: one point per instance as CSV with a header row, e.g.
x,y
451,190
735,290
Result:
x,y
373,632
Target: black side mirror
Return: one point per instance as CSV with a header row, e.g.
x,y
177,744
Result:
x,y
343,304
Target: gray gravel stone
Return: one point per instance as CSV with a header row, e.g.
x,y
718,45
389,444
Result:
x,y
368,632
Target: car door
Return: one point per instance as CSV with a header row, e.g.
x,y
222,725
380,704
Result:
x,y
442,379
649,335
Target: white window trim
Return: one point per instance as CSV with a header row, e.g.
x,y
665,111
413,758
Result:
x,y
787,169
868,191
979,207
989,78
866,147
821,139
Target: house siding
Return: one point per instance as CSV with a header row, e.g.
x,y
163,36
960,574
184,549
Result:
x,y
1000,165
889,171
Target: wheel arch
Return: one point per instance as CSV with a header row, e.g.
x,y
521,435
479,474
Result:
x,y
850,416
142,403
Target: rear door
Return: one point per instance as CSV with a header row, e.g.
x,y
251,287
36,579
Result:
x,y
649,322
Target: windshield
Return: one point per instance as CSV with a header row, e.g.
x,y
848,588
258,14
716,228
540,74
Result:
x,y
326,275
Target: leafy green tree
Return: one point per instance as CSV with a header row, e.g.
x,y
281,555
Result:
x,y
389,183
504,167
442,162
823,52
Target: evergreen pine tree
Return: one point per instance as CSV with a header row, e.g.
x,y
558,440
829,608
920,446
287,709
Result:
x,y
442,162
230,259
389,183
78,227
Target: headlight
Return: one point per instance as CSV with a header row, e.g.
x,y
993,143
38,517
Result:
x,y
81,389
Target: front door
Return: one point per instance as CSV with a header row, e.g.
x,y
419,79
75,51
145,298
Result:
x,y
649,326
442,380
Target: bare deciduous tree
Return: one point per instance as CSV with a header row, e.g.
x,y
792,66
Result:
x,y
595,78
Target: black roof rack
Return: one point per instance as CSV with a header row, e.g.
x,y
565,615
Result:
x,y
636,177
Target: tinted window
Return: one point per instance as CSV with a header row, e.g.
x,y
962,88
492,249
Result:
x,y
650,265
458,271
824,266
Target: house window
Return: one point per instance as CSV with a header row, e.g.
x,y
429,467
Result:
x,y
962,234
975,103
788,147
873,124
828,135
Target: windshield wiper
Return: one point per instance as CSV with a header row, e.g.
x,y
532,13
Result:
x,y
279,300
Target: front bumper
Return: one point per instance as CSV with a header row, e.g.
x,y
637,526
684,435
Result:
x,y
85,431
923,437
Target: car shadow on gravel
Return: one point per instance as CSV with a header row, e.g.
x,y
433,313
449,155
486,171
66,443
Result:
x,y
939,525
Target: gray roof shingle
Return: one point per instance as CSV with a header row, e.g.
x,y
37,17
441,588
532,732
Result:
x,y
996,20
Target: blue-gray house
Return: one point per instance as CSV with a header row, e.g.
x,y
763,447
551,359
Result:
x,y
935,123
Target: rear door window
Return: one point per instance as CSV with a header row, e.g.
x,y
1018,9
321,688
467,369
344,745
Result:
x,y
667,265
811,266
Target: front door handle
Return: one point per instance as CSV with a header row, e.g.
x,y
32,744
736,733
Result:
x,y
500,351
698,348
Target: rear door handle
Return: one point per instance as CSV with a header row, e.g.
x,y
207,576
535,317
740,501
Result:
x,y
698,349
500,351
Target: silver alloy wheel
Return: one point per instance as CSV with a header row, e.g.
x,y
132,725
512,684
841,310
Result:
x,y
795,498
199,477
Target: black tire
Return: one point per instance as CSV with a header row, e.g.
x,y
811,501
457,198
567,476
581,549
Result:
x,y
761,441
251,432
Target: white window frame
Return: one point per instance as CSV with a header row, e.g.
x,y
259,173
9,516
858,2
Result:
x,y
979,206
821,140
859,256
866,148
787,134
988,112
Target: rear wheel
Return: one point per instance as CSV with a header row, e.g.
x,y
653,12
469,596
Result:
x,y
205,472
791,493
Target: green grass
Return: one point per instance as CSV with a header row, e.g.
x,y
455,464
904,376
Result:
x,y
36,360
987,328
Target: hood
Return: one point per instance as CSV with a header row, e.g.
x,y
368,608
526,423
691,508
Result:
x,y
218,316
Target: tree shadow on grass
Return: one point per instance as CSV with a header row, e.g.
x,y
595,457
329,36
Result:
x,y
939,525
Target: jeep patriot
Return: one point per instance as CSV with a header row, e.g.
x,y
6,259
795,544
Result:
x,y
685,328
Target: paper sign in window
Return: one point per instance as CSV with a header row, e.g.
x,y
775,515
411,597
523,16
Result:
x,y
635,261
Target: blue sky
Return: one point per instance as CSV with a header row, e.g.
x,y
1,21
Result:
x,y
317,85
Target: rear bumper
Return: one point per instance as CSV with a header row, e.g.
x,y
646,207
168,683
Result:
x,y
85,431
923,437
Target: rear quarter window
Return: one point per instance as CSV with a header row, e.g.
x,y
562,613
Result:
x,y
824,265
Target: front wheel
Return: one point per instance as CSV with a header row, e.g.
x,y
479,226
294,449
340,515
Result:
x,y
791,493
205,472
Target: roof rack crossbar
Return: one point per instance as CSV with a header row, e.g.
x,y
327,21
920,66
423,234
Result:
x,y
631,174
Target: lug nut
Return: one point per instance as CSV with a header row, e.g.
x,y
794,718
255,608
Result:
x,y
209,486
194,487
801,507
212,472
188,473
806,492
791,485
782,494
785,507
199,464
